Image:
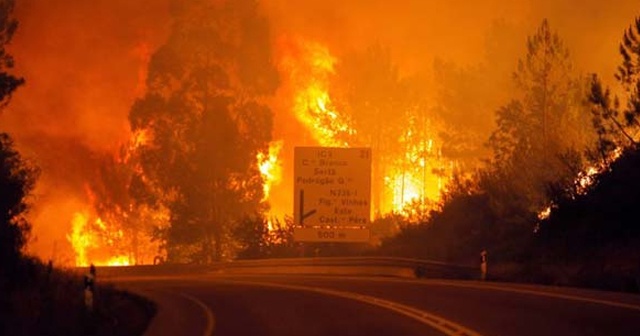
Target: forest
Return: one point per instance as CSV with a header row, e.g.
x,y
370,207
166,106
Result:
x,y
536,164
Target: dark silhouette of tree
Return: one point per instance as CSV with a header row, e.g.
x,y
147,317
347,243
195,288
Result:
x,y
534,145
619,126
8,26
596,232
252,234
537,129
206,121
377,101
17,177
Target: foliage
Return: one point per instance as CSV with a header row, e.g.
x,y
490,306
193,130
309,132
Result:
x,y
385,227
598,229
619,126
8,26
536,130
206,122
121,201
257,239
464,99
595,231
252,235
378,100
456,233
17,179
538,143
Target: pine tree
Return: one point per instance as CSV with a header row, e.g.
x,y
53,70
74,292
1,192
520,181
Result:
x,y
618,126
537,129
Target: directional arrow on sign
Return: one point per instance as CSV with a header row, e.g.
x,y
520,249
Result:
x,y
304,215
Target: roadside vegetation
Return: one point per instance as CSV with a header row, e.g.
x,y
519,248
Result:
x,y
556,203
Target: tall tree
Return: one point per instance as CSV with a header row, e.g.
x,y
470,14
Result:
x,y
377,100
536,131
207,121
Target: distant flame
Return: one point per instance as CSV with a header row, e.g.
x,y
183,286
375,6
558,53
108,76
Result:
x,y
415,174
79,240
270,167
117,234
84,239
585,179
419,175
309,69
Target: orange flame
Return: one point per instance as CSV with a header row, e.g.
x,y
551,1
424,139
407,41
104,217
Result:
x,y
120,235
417,173
309,68
84,241
270,167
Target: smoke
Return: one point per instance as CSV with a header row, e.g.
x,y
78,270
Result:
x,y
417,31
85,62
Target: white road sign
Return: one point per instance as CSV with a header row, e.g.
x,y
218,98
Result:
x,y
332,188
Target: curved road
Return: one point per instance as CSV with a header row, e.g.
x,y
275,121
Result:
x,y
236,304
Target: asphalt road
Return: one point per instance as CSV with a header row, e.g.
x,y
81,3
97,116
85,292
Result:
x,y
245,304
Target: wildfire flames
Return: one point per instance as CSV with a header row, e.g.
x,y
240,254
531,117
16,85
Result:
x,y
81,135
270,168
415,176
308,67
83,239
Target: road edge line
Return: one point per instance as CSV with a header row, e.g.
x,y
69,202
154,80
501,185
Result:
x,y
539,293
208,330
439,323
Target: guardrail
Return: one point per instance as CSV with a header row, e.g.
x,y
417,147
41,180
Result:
x,y
380,265
384,266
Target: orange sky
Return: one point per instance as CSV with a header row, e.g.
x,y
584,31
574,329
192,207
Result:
x,y
84,61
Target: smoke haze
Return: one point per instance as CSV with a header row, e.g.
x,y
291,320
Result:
x,y
85,63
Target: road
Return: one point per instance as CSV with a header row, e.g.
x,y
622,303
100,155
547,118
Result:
x,y
298,304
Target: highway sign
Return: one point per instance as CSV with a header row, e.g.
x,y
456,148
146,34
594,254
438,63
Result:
x,y
332,187
331,234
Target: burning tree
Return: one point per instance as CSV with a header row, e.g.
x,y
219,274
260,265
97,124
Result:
x,y
388,114
206,122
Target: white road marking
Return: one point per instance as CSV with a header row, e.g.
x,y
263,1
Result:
x,y
541,293
437,322
507,288
208,330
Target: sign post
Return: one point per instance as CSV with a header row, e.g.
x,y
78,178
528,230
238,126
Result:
x,y
332,194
